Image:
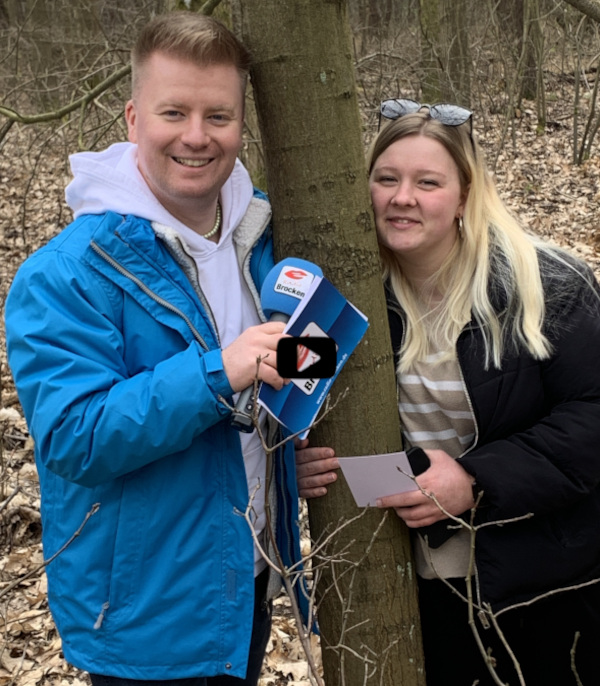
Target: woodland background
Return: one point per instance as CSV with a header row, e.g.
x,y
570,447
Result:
x,y
527,68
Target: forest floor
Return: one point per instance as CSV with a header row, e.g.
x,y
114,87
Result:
x,y
536,178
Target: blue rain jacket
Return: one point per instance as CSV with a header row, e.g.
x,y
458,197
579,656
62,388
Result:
x,y
120,376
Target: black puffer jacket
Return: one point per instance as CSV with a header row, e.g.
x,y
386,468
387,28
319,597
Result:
x,y
537,448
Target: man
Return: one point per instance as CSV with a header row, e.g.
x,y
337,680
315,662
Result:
x,y
128,336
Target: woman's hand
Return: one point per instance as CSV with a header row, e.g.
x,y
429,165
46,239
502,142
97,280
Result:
x,y
447,480
315,469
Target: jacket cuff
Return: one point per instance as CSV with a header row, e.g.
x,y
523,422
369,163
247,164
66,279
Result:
x,y
215,373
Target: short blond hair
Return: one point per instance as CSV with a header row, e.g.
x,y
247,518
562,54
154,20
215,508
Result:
x,y
193,37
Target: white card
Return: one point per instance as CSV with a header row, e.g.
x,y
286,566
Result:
x,y
375,476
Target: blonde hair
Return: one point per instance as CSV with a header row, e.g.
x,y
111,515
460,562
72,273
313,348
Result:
x,y
492,272
189,36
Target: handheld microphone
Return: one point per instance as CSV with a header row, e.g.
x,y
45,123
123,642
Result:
x,y
282,290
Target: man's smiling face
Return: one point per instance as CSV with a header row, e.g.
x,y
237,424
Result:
x,y
187,121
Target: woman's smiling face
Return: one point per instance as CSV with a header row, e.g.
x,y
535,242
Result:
x,y
417,198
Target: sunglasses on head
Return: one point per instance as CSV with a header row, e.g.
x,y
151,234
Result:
x,y
445,113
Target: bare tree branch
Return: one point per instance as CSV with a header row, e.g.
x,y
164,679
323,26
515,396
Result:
x,y
590,8
115,77
209,6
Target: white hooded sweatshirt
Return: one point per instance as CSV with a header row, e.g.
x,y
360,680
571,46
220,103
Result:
x,y
111,181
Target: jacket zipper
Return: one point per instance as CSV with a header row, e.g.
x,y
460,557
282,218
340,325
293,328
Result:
x,y
150,293
101,616
470,403
481,614
195,284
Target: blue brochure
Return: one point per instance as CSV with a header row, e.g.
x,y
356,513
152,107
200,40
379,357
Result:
x,y
324,311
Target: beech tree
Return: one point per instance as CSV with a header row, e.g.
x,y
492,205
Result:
x,y
308,114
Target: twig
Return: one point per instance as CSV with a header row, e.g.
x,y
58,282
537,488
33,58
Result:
x,y
484,611
45,563
20,666
304,636
327,408
573,651
507,647
5,128
548,594
8,622
340,527
5,504
341,647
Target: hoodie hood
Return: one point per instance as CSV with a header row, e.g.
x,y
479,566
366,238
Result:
x,y
110,181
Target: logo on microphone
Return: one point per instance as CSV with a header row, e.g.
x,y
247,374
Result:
x,y
295,274
293,281
307,358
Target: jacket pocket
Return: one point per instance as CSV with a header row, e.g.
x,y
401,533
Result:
x,y
128,551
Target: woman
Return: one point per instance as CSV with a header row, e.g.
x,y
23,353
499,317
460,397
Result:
x,y
497,342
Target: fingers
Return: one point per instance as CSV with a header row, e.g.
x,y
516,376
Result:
x,y
416,509
416,517
240,357
446,480
315,485
314,460
451,484
403,501
315,470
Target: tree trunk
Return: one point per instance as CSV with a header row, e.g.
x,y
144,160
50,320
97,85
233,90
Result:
x,y
308,113
532,51
536,37
458,30
520,22
445,52
431,65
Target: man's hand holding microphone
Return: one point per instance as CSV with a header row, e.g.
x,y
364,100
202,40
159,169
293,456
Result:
x,y
282,291
316,465
239,358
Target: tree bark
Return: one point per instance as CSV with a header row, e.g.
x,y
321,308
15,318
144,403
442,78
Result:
x,y
445,52
457,34
431,65
308,113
